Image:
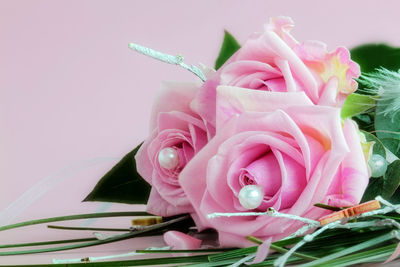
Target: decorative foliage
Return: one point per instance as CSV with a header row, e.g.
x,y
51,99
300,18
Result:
x,y
378,147
357,104
122,183
373,56
228,48
391,179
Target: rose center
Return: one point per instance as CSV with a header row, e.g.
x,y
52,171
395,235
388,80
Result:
x,y
264,171
248,180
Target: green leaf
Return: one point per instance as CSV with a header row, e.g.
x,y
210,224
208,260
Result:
x,y
395,199
356,104
122,183
374,189
391,179
372,56
228,48
378,148
388,128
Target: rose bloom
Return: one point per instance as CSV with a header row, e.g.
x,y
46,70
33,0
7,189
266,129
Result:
x,y
274,61
298,152
178,134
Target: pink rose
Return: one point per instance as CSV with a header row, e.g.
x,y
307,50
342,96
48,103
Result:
x,y
274,61
177,134
298,152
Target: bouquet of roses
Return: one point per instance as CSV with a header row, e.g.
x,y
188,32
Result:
x,y
264,131
273,151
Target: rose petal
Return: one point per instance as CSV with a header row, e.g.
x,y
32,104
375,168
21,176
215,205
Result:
x,y
235,100
169,192
300,70
282,26
262,252
254,49
159,206
144,164
173,96
179,240
353,180
293,179
329,93
239,70
199,137
178,121
229,240
287,74
311,50
276,85
204,104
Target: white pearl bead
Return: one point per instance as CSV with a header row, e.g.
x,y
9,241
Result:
x,y
168,158
378,165
251,196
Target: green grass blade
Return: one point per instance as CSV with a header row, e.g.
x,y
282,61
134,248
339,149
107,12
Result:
x,y
281,249
45,243
143,262
373,255
350,250
213,264
97,242
59,227
241,252
75,217
158,251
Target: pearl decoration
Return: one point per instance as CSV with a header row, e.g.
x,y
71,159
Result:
x,y
378,165
251,196
168,158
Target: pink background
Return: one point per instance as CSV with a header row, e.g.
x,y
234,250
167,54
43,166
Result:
x,y
71,90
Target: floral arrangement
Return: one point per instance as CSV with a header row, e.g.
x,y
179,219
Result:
x,y
285,147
